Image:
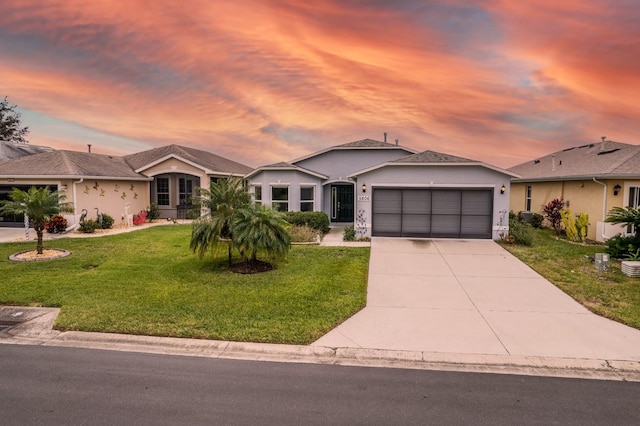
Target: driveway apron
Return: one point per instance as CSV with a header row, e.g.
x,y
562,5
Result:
x,y
473,297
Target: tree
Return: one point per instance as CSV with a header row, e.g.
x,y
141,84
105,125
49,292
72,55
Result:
x,y
11,129
553,213
223,199
261,229
628,216
38,204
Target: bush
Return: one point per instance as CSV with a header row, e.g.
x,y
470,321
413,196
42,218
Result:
x,y
349,233
89,226
107,221
536,220
521,233
620,247
56,225
553,213
153,212
140,218
303,234
315,220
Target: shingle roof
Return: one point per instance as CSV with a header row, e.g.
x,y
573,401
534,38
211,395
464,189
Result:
x,y
599,159
11,150
366,143
205,159
69,164
286,166
431,157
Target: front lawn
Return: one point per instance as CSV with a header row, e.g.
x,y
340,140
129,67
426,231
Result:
x,y
612,294
148,282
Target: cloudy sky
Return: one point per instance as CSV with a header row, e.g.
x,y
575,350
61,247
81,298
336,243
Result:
x,y
261,81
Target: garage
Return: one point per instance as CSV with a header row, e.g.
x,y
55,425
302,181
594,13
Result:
x,y
432,212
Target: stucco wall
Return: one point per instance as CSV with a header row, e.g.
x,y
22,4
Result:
x,y
291,179
173,165
433,177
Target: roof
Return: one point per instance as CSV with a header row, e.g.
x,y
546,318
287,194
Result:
x,y
283,166
69,164
210,162
368,144
605,159
433,158
12,150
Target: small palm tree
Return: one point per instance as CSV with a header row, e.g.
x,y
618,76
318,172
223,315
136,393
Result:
x,y
223,200
261,229
38,204
628,216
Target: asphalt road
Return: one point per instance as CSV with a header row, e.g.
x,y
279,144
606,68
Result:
x,y
54,386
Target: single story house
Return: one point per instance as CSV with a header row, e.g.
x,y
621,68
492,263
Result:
x,y
389,190
591,178
118,186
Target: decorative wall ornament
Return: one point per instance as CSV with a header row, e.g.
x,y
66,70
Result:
x,y
135,195
86,189
102,192
124,195
117,188
96,185
361,224
132,187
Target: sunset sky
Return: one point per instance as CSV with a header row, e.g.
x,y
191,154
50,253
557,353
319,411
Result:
x,y
501,81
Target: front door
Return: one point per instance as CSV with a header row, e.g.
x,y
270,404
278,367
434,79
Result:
x,y
342,203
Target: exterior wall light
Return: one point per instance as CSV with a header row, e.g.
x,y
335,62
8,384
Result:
x,y
364,187
503,189
616,189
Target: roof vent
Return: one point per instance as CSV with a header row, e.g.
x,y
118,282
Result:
x,y
89,146
608,152
385,137
604,139
397,141
536,161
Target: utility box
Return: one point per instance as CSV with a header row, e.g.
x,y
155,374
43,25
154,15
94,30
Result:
x,y
602,262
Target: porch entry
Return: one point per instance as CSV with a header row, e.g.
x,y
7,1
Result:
x,y
342,203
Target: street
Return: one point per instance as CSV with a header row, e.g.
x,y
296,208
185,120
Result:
x,y
52,385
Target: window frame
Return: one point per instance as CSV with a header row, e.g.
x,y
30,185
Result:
x,y
308,201
527,198
160,193
280,204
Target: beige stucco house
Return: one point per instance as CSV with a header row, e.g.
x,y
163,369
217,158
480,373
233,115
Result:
x,y
591,178
118,186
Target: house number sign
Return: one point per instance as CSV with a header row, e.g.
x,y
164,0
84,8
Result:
x,y
363,198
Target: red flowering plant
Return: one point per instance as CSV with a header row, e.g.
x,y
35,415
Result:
x,y
140,218
553,213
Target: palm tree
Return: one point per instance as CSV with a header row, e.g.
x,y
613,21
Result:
x,y
261,229
223,200
38,204
629,216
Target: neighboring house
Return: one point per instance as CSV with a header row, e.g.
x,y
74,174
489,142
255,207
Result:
x,y
177,171
591,178
118,186
12,150
389,190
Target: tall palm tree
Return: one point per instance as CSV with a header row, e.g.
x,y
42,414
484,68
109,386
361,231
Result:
x,y
38,204
261,229
223,200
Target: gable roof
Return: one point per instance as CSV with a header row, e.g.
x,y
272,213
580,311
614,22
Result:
x,y
368,144
433,158
605,159
11,150
283,166
69,164
211,163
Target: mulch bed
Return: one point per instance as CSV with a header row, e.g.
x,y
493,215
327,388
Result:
x,y
251,267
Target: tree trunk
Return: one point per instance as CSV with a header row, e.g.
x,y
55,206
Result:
x,y
39,244
229,251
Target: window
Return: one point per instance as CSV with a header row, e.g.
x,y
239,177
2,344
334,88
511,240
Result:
x,y
280,198
162,191
527,203
634,201
257,194
213,180
306,199
185,190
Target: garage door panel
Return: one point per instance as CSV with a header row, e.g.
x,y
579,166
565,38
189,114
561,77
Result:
x,y
445,225
387,224
445,202
414,225
387,201
473,226
416,201
477,202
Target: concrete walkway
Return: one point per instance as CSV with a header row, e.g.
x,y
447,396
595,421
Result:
x,y
473,297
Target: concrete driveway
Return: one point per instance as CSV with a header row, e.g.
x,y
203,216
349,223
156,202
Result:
x,y
473,297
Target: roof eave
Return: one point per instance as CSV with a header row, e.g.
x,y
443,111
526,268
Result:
x,y
435,164
348,148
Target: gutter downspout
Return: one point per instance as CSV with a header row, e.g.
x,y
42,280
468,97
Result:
x,y
604,206
75,206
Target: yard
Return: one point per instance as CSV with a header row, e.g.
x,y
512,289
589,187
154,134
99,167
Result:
x,y
148,282
612,294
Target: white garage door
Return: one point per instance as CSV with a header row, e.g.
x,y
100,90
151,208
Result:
x,y
432,213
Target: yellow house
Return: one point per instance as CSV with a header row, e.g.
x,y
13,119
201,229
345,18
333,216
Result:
x,y
591,178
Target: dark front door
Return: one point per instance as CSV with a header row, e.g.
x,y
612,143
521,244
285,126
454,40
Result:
x,y
342,203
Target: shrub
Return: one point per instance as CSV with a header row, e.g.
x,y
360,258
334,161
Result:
x,y
153,212
315,220
620,247
89,226
107,221
521,233
536,220
349,233
303,234
553,213
56,225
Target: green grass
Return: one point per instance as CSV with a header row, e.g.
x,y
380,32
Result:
x,y
612,294
148,282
